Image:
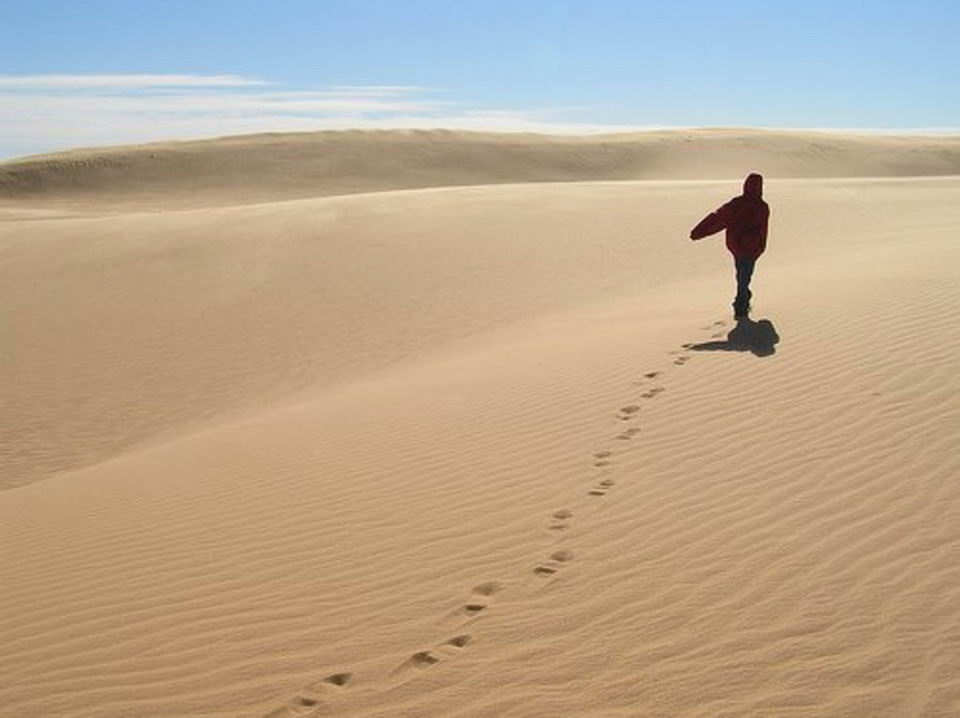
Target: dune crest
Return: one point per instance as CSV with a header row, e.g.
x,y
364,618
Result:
x,y
270,167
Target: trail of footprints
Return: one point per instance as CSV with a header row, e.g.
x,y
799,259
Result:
x,y
316,696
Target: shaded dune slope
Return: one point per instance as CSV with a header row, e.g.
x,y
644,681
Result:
x,y
260,168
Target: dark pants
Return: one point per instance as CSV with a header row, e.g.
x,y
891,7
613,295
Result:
x,y
744,273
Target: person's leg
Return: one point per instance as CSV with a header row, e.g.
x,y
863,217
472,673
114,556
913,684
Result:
x,y
744,274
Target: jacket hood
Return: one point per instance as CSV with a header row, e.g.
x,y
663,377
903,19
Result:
x,y
753,185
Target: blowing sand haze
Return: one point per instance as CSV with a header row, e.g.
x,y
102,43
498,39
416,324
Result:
x,y
469,430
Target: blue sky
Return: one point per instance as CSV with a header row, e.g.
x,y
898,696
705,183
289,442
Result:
x,y
101,72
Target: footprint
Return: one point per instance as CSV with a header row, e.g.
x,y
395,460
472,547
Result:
x,y
313,696
550,567
301,705
459,641
421,659
602,456
337,679
476,607
629,433
628,412
601,488
447,649
560,517
651,375
681,360
488,588
653,392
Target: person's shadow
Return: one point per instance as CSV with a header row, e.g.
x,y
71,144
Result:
x,y
760,338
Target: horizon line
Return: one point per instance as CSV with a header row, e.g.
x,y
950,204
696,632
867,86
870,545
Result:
x,y
560,132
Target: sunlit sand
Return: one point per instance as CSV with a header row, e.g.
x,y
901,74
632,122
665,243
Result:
x,y
453,424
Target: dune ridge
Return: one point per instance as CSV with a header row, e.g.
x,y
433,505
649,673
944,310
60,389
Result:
x,y
271,167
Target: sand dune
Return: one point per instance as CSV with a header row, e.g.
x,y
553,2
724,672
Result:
x,y
271,167
480,451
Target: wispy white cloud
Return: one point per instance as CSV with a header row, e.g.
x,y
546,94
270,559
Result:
x,y
381,90
160,106
128,82
50,112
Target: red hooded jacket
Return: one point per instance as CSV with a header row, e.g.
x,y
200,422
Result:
x,y
744,217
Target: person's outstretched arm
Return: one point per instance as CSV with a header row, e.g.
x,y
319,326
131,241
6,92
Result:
x,y
712,223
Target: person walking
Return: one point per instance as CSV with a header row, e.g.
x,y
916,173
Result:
x,y
745,217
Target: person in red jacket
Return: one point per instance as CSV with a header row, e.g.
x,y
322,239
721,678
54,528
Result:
x,y
745,218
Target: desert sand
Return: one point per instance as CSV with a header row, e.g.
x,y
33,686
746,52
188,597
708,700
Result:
x,y
454,424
